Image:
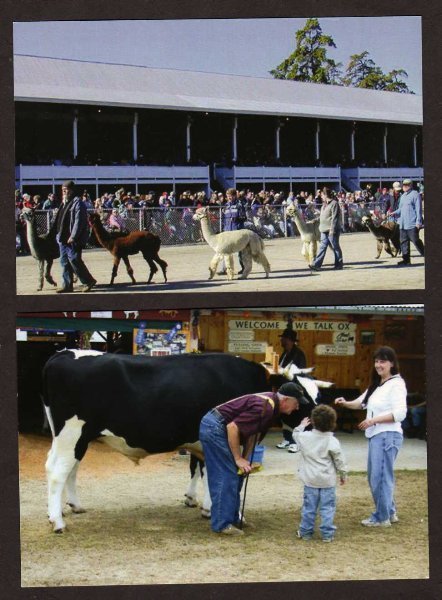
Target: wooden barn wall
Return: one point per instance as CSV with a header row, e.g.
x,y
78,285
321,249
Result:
x,y
405,334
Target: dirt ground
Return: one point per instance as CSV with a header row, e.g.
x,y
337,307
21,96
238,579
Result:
x,y
137,530
188,270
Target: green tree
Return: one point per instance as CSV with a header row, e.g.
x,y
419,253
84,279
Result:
x,y
363,72
309,61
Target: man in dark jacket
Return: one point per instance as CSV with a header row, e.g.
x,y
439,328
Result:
x,y
291,353
72,233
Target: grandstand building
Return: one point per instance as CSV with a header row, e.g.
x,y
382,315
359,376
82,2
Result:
x,y
108,125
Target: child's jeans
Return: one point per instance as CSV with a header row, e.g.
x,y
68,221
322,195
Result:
x,y
323,499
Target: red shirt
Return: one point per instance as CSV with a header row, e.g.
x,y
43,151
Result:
x,y
248,414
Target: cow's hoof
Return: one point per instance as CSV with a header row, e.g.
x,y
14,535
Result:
x,y
205,513
190,502
78,510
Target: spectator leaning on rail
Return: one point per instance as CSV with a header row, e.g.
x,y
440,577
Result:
x,y
330,227
72,234
410,221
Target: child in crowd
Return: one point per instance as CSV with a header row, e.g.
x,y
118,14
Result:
x,y
321,460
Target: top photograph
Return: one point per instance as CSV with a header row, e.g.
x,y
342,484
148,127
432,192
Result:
x,y
219,155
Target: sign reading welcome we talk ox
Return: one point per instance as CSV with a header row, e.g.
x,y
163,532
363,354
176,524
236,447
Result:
x,y
267,325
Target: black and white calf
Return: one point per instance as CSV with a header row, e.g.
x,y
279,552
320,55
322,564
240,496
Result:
x,y
138,405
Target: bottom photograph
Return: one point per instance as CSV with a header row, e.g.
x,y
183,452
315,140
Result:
x,y
276,444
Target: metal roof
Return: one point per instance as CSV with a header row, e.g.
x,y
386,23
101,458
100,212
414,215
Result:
x,y
57,80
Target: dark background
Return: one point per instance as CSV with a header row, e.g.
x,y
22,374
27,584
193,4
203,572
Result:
x,y
34,10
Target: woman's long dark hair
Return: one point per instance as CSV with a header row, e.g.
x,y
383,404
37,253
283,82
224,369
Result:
x,y
383,353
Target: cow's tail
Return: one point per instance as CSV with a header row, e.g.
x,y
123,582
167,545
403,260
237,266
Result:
x,y
46,401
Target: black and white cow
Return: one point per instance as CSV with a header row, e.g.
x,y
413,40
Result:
x,y
138,405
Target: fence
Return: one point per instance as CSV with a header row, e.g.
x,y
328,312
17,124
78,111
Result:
x,y
175,225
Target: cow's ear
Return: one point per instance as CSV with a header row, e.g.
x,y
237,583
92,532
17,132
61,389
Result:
x,y
269,368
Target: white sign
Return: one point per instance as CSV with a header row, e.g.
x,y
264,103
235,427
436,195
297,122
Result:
x,y
262,325
241,335
344,337
256,325
21,336
245,347
335,350
101,314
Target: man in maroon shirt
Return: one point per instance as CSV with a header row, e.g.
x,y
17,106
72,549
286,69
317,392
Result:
x,y
228,434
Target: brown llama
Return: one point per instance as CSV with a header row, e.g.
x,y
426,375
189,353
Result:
x,y
122,246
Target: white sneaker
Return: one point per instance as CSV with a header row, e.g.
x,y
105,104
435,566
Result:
x,y
394,518
293,448
370,523
231,530
283,444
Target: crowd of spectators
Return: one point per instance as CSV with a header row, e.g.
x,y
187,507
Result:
x,y
263,211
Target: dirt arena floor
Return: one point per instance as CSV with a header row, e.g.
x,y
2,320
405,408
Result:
x,y
137,530
188,270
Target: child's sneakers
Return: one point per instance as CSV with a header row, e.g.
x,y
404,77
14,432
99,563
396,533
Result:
x,y
282,445
394,518
303,537
329,539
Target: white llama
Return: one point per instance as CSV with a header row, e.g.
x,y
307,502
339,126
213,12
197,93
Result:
x,y
309,231
227,243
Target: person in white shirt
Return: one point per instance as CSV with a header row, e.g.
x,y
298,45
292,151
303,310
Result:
x,y
321,460
386,404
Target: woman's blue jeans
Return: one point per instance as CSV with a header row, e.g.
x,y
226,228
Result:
x,y
324,500
382,451
222,473
327,240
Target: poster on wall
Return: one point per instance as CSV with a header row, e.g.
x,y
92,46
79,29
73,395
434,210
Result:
x,y
158,342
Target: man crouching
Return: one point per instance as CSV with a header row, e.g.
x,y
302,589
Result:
x,y
243,421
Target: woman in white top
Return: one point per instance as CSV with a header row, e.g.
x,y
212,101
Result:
x,y
386,404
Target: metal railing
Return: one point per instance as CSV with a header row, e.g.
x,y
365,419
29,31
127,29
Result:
x,y
175,225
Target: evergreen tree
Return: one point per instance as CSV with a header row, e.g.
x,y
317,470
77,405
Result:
x,y
362,72
309,61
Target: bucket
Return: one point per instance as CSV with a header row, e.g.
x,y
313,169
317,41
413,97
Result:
x,y
258,454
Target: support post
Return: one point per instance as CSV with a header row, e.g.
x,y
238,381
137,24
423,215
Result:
x,y
75,134
188,148
234,141
352,142
277,140
415,149
318,129
385,144
135,137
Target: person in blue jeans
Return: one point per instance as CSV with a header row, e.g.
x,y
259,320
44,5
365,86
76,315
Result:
x,y
330,226
322,460
386,403
228,434
72,233
409,216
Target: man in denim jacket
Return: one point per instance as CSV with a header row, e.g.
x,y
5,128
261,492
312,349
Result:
x,y
410,221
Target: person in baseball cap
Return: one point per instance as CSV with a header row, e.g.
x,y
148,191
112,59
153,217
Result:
x,y
293,390
410,220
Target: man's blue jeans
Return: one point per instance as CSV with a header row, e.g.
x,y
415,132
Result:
x,y
382,451
222,473
71,261
324,500
327,240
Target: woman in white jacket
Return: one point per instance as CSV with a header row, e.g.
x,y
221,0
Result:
x,y
386,404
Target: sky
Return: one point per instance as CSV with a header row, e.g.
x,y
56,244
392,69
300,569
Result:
x,y
250,47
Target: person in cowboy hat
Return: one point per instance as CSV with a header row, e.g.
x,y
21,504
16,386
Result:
x,y
291,354
228,434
